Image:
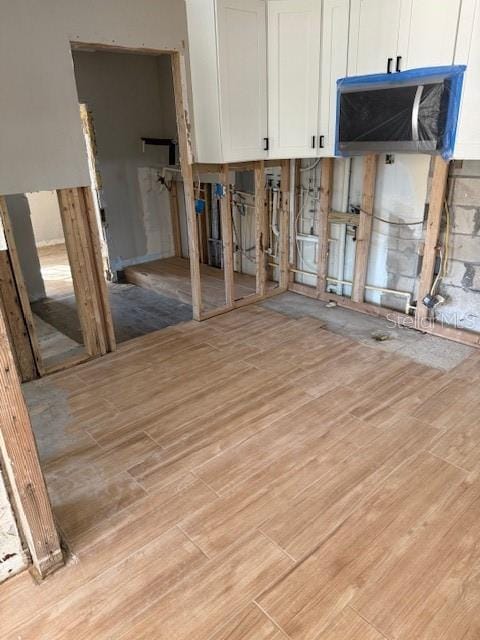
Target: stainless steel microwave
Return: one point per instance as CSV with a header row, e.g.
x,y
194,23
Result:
x,y
413,111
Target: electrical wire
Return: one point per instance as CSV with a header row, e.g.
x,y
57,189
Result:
x,y
444,255
311,167
392,222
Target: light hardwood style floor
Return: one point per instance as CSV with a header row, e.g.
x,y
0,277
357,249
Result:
x,y
257,477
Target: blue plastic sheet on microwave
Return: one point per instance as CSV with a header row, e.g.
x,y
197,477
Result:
x,y
414,111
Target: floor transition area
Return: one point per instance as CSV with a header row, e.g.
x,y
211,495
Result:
x,y
258,477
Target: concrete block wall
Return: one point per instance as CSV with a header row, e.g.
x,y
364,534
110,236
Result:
x,y
461,284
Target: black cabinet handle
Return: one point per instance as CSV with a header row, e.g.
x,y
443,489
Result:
x,y
266,144
397,66
389,65
321,142
314,140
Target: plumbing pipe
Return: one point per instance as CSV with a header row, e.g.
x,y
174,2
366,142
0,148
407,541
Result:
x,y
371,287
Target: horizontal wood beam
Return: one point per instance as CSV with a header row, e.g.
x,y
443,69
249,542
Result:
x,y
341,217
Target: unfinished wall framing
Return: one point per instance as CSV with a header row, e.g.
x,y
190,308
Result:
x,y
264,262
422,320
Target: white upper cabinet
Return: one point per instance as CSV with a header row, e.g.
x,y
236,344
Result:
x,y
227,42
333,65
428,32
294,29
243,78
395,35
374,27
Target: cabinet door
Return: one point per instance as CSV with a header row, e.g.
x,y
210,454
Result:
x,y
467,52
333,65
293,68
374,27
242,64
428,32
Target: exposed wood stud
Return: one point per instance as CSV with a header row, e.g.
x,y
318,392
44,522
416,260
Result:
x,y
260,217
22,466
175,217
434,219
82,276
227,236
84,252
294,223
284,224
326,182
183,127
20,284
365,228
15,321
97,265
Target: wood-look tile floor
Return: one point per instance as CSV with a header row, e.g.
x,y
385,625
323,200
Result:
x,y
256,477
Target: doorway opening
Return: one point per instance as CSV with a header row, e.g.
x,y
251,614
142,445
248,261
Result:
x,y
41,274
127,107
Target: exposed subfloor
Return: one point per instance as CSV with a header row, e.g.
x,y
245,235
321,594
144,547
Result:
x,y
378,332
171,276
257,476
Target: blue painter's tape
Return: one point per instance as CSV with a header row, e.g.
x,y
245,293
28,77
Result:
x,y
451,76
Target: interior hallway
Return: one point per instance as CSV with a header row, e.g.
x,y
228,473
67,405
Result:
x,y
258,476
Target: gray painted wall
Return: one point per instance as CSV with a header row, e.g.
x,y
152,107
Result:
x,y
130,97
42,141
19,211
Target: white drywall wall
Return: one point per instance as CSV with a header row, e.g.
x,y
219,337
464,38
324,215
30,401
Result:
x,y
45,217
130,97
40,131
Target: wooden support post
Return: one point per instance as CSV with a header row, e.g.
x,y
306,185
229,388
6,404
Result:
x,y
365,228
434,219
20,285
175,217
183,126
19,454
87,271
284,224
260,238
326,183
96,260
227,237
15,321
